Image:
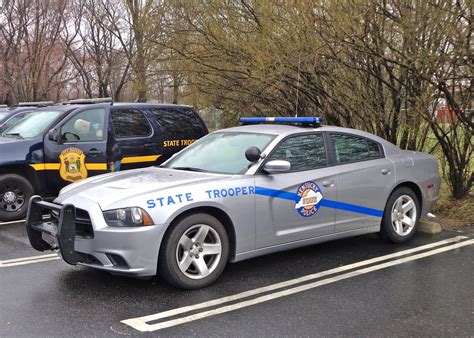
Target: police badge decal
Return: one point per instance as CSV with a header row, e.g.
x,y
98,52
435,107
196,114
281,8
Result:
x,y
73,166
309,195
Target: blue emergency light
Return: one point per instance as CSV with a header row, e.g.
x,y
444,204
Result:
x,y
302,120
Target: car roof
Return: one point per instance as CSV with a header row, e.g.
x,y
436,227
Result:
x,y
149,105
71,107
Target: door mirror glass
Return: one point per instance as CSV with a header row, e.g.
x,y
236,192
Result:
x,y
53,135
252,154
277,167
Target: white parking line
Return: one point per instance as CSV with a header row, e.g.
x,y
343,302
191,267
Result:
x,y
12,222
297,280
28,260
140,323
22,220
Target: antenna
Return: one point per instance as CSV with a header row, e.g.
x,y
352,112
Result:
x,y
298,84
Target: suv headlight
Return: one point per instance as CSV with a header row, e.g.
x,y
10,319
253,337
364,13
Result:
x,y
127,217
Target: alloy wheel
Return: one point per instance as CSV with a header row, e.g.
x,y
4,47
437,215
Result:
x,y
404,215
198,252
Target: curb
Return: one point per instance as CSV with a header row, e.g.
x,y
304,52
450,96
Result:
x,y
429,227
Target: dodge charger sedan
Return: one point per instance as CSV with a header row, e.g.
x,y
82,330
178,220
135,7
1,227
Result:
x,y
271,184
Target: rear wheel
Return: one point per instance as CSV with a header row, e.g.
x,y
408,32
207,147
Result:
x,y
15,192
195,252
401,216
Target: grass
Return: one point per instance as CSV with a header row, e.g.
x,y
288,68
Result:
x,y
452,213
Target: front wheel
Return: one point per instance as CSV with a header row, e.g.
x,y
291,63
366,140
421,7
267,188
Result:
x,y
194,253
15,192
401,216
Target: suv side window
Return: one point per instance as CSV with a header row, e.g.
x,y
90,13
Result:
x,y
177,121
85,126
352,148
130,123
304,152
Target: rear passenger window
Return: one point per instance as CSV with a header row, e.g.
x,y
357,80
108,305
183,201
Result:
x,y
177,121
130,123
351,148
304,152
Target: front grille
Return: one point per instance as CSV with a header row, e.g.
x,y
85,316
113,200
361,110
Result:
x,y
83,224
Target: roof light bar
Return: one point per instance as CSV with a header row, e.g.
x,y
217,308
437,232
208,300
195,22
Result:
x,y
35,104
90,101
314,120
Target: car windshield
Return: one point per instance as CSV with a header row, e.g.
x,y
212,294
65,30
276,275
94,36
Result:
x,y
221,152
32,125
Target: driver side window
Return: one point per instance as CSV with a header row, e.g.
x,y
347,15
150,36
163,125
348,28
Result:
x,y
304,152
85,126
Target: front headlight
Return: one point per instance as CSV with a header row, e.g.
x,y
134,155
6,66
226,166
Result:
x,y
127,217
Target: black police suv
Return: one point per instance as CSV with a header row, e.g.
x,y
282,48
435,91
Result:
x,y
61,144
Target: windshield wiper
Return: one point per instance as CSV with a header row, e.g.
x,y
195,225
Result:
x,y
13,134
188,169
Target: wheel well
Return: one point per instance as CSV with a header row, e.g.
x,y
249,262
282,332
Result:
x,y
217,213
22,170
415,188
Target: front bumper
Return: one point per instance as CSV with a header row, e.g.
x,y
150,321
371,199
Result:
x,y
82,240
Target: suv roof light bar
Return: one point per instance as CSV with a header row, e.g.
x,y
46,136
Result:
x,y
3,106
35,104
316,120
90,101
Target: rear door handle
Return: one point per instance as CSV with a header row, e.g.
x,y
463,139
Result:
x,y
385,171
328,184
94,152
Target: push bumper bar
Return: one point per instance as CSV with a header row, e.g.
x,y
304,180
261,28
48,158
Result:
x,y
61,227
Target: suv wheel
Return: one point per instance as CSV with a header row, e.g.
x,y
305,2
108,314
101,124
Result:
x,y
195,252
15,192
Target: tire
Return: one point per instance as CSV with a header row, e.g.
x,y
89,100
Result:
x,y
399,224
15,193
187,242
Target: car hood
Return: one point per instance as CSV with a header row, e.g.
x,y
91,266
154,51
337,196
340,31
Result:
x,y
16,150
109,189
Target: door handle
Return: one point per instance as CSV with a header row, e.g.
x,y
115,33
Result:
x,y
328,184
385,171
94,152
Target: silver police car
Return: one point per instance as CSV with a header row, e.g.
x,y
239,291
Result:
x,y
235,194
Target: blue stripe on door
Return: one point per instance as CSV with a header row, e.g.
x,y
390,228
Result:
x,y
323,203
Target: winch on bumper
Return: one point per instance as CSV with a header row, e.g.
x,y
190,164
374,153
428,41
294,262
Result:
x,y
73,234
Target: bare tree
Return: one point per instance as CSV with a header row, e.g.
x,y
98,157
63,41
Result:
x,y
35,38
97,54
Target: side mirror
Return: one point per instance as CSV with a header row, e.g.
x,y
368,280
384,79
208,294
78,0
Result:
x,y
53,135
253,154
277,167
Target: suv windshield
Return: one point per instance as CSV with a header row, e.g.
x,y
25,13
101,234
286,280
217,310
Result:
x,y
32,125
219,153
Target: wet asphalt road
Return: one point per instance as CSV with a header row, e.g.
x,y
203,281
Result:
x,y
430,296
